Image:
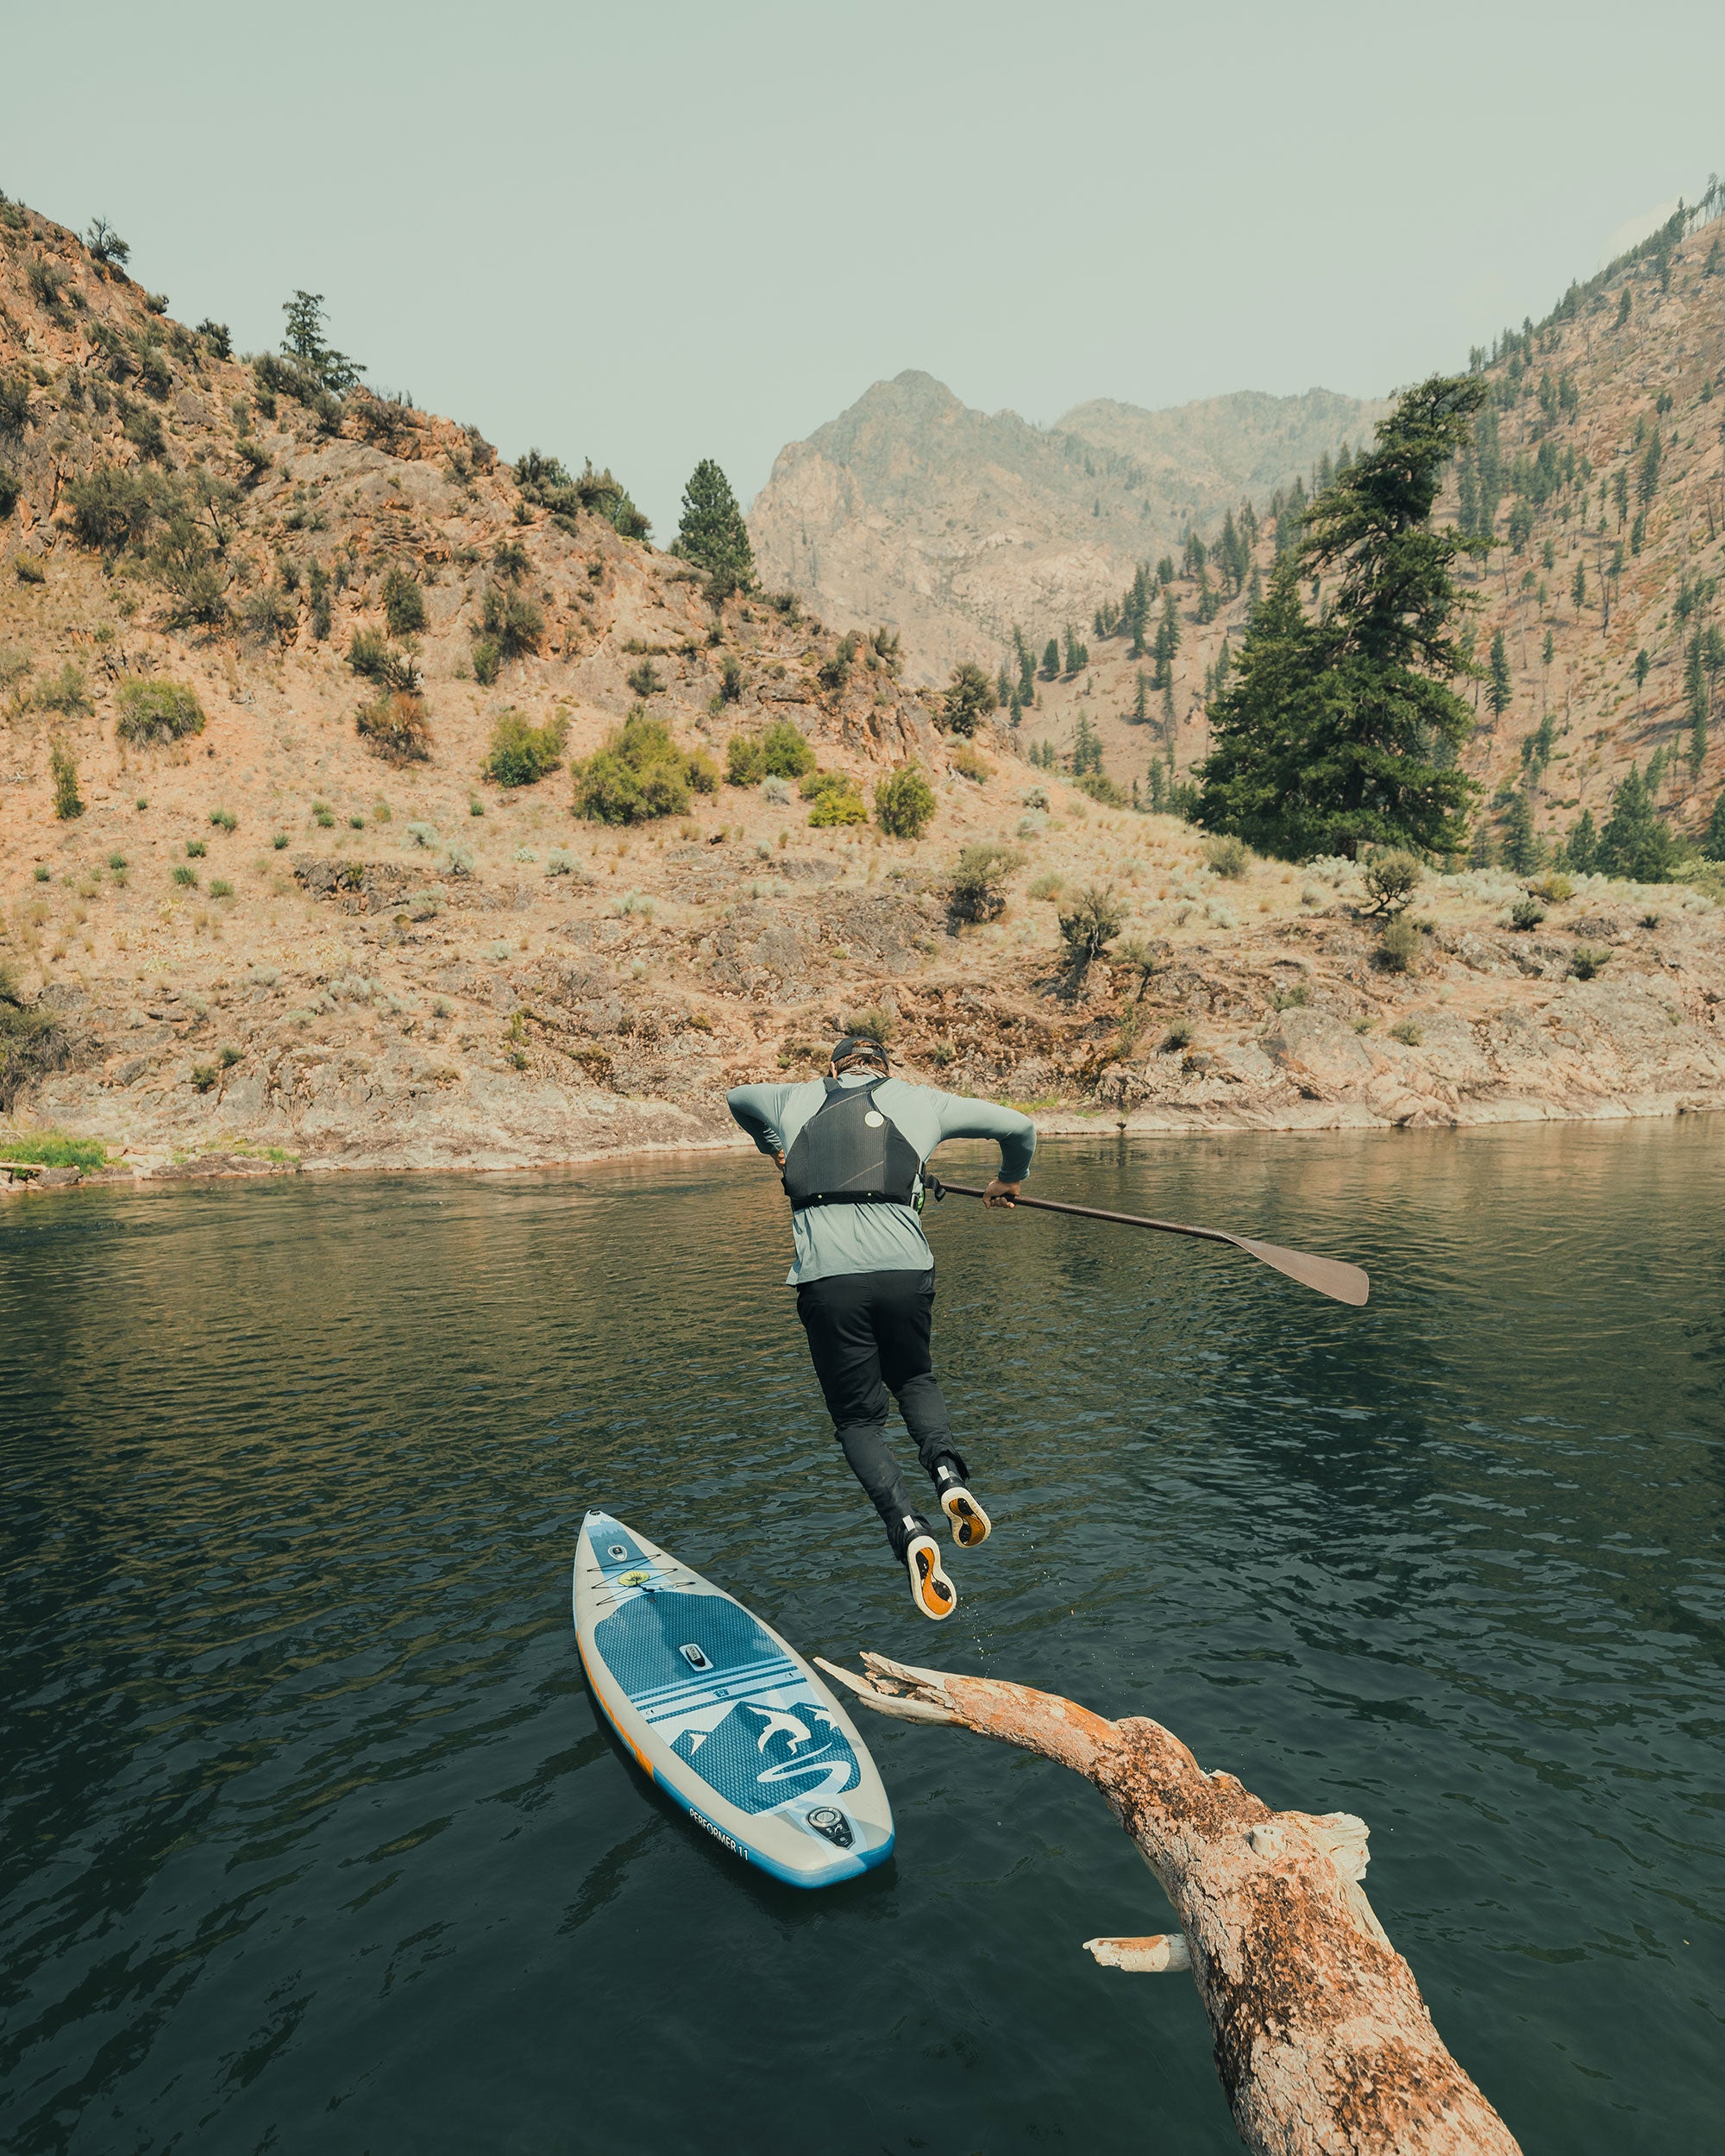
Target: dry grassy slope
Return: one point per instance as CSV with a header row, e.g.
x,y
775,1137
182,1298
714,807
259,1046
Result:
x,y
950,525
1674,345
377,1007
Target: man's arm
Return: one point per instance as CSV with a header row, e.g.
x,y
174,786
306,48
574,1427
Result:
x,y
758,1109
962,1117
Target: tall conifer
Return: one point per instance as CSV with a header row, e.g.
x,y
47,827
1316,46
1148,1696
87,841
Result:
x,y
712,534
1341,733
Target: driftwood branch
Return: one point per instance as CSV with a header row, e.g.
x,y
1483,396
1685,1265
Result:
x,y
1322,2041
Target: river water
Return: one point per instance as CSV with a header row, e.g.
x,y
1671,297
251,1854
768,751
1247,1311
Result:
x,y
311,1839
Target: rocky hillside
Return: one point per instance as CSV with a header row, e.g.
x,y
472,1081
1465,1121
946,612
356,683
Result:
x,y
952,525
286,878
1599,457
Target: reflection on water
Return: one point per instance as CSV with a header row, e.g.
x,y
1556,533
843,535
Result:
x,y
310,1839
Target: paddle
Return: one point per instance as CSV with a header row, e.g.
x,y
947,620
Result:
x,y
1343,1283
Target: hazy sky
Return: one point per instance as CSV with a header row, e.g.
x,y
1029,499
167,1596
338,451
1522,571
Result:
x,y
650,234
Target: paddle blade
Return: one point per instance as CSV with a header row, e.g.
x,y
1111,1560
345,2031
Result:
x,y
1342,1283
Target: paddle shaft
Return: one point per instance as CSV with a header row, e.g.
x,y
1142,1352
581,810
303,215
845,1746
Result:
x,y
1093,1213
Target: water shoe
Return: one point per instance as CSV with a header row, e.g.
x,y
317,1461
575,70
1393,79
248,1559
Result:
x,y
933,1594
970,1524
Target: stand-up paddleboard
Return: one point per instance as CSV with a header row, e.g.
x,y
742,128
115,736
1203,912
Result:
x,y
724,1715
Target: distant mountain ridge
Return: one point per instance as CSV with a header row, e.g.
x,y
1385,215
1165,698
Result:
x,y
951,525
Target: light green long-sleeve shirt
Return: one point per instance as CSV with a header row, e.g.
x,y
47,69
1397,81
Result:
x,y
876,1238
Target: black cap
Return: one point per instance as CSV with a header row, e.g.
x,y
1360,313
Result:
x,y
860,1046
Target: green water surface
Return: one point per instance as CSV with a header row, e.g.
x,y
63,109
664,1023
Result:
x,y
310,1839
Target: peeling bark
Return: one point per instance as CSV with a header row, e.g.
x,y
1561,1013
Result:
x,y
1323,2043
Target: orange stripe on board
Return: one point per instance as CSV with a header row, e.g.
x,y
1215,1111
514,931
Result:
x,y
641,1758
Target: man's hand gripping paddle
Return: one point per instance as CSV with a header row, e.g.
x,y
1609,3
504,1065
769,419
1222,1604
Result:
x,y
1342,1283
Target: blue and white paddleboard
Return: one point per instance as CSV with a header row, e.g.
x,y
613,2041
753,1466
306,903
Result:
x,y
724,1715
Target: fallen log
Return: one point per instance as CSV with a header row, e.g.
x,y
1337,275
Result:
x,y
1323,2043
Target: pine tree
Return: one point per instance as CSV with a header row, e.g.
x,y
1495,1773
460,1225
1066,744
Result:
x,y
1051,659
1713,838
1694,694
1580,850
1325,738
1497,692
1634,843
1026,660
1522,852
1141,699
712,534
334,370
1647,477
1578,590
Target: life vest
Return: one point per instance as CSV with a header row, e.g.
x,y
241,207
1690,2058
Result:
x,y
849,1153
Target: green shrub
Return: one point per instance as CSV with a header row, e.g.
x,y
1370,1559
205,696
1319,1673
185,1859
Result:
x,y
730,682
1526,913
1587,959
158,710
838,805
639,772
511,621
393,726
269,612
187,877
905,804
68,802
522,754
1391,878
224,819
1048,886
324,817
114,506
1101,788
220,887
117,863
1409,1031
144,430
11,487
374,660
832,673
1226,856
786,750
509,559
280,842
644,681
817,784
404,603
27,569
1401,947
1177,1036
196,850
745,764
978,882
15,404
487,659
1090,923
204,1076
67,692
229,1056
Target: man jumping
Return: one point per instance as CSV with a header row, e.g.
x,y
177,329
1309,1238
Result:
x,y
852,1146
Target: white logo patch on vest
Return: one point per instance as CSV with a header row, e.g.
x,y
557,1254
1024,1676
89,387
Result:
x,y
874,1119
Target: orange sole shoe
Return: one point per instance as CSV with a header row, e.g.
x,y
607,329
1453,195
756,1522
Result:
x,y
933,1594
970,1524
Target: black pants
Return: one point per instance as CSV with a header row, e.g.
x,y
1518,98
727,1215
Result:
x,y
869,1335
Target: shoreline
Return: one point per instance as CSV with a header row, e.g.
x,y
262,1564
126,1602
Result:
x,y
1322,1119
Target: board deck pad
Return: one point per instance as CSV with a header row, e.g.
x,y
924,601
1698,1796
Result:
x,y
723,1713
